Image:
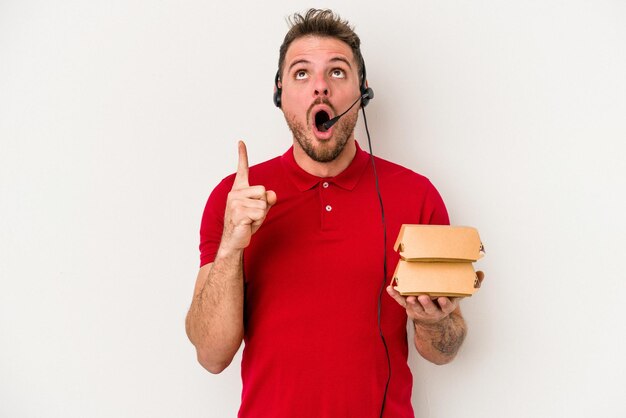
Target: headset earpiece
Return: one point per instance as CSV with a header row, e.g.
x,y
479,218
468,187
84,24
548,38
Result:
x,y
366,96
367,93
278,92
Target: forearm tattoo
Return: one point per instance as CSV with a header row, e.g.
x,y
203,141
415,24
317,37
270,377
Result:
x,y
447,336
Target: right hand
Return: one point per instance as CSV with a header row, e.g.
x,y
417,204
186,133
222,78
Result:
x,y
246,207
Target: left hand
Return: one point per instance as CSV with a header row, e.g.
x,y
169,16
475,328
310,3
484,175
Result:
x,y
423,309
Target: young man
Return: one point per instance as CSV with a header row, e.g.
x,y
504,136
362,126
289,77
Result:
x,y
292,253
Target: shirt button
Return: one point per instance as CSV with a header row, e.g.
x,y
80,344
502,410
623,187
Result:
x,y
325,185
328,208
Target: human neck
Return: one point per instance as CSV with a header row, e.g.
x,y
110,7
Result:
x,y
329,169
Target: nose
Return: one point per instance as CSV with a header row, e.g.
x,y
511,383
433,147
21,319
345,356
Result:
x,y
319,92
321,87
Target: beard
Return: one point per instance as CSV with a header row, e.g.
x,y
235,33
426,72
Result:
x,y
328,150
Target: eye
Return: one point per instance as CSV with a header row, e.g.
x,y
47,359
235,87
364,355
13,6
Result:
x,y
338,73
300,75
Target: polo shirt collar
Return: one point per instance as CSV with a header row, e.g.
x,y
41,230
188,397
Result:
x,y
347,179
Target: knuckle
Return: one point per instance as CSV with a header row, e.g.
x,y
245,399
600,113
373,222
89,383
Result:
x,y
233,195
258,191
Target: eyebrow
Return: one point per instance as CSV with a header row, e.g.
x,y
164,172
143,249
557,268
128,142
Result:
x,y
296,62
335,59
342,60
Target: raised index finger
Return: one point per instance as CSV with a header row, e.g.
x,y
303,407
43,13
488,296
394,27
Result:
x,y
241,178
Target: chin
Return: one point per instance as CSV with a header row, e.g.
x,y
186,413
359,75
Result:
x,y
323,150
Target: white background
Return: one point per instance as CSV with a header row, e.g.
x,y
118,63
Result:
x,y
117,118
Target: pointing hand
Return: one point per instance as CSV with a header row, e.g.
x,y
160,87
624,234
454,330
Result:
x,y
246,207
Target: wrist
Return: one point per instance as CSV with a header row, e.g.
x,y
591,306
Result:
x,y
433,325
228,253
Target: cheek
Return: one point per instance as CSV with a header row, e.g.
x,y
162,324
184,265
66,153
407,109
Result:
x,y
291,97
294,107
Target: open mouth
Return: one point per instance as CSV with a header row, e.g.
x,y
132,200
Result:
x,y
321,117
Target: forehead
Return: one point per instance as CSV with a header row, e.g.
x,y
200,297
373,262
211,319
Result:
x,y
316,48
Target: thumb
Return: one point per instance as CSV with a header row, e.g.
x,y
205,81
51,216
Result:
x,y
270,196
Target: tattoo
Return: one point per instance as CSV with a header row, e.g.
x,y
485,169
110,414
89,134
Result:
x,y
447,335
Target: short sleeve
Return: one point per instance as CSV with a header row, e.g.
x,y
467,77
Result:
x,y
212,223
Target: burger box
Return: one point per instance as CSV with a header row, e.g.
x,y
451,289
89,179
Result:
x,y
436,260
435,279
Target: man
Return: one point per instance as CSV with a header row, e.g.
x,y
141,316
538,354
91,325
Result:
x,y
292,254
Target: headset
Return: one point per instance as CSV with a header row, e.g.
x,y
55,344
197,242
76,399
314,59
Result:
x,y
367,93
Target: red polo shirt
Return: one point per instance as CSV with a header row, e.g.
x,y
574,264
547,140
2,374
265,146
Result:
x,y
312,275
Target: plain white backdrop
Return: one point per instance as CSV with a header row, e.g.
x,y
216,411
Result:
x,y
117,119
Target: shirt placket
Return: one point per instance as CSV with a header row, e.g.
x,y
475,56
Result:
x,y
329,205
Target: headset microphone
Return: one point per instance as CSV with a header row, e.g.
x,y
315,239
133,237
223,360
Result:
x,y
367,95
